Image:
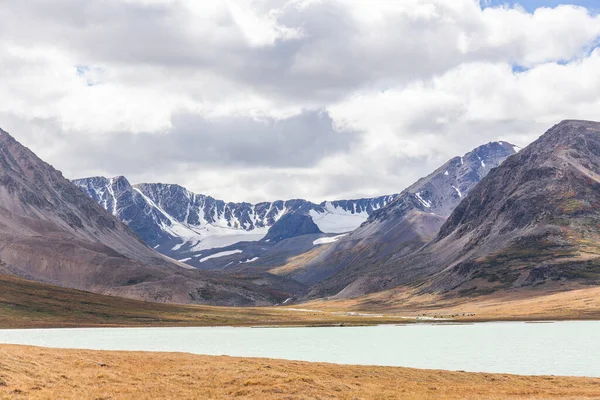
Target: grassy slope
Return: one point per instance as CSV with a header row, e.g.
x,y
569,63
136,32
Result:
x,y
38,373
541,303
27,304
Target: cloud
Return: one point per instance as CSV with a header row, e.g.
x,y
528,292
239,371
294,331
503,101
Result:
x,y
253,100
296,142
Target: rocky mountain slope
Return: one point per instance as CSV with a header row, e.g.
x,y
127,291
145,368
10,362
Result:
x,y
532,221
404,225
52,232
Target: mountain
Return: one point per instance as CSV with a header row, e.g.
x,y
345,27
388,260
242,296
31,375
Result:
x,y
405,224
532,222
211,234
50,231
182,224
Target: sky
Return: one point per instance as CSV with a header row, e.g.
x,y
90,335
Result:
x,y
277,99
532,5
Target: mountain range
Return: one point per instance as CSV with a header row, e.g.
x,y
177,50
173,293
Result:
x,y
495,219
176,221
266,236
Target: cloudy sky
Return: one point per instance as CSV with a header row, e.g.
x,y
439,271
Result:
x,y
275,99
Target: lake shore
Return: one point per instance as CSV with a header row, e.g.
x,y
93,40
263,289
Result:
x,y
39,373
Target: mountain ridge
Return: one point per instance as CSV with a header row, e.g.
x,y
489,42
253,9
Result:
x,y
406,224
531,221
175,220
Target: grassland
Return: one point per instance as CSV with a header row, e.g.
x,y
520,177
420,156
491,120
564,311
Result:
x,y
39,373
530,304
27,304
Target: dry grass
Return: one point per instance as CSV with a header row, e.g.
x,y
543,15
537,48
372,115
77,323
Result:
x,y
299,262
27,304
527,304
39,373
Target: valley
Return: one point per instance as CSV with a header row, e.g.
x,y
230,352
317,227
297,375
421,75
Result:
x,y
299,199
326,237
469,243
498,264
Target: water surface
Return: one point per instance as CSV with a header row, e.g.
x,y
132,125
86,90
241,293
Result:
x,y
560,348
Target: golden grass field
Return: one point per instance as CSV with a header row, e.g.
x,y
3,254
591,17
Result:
x,y
528,304
40,373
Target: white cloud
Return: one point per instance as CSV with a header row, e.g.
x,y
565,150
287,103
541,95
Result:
x,y
407,85
548,34
260,29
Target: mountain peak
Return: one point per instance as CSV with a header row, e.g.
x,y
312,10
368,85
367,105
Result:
x,y
574,125
120,183
407,223
566,132
530,221
579,123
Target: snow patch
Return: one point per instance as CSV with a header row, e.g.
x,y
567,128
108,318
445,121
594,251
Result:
x,y
326,240
481,161
205,236
178,246
223,237
457,191
516,149
249,261
114,198
185,259
337,220
422,200
221,254
446,173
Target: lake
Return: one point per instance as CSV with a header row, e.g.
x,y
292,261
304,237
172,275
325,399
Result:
x,y
559,348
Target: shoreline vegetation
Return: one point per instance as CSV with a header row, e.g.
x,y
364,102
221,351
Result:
x,y
41,373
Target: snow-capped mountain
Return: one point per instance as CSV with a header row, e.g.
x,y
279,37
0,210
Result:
x,y
176,221
440,192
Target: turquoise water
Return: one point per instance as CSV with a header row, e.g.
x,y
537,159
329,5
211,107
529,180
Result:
x,y
559,348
